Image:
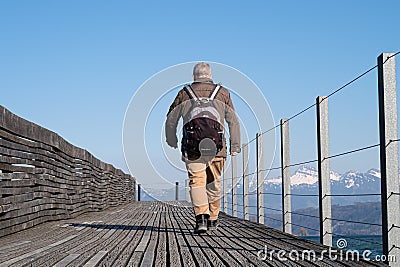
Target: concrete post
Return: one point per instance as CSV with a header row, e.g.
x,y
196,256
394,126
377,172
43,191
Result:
x,y
234,187
285,164
245,153
324,181
260,179
389,154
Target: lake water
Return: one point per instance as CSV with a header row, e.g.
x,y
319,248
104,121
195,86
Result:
x,y
360,243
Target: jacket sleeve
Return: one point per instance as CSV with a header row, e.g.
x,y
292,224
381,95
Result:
x,y
172,120
233,124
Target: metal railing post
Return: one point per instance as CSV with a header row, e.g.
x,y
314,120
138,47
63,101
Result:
x,y
245,153
389,161
225,191
222,183
285,164
324,181
260,179
234,188
187,188
134,188
139,189
177,191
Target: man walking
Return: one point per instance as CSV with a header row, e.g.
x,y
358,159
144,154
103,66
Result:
x,y
204,106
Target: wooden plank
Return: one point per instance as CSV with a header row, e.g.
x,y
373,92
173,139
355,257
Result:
x,y
121,253
207,250
14,245
280,241
67,260
223,248
162,251
52,256
198,256
95,243
176,244
246,239
241,253
42,236
138,253
96,259
37,251
13,168
152,248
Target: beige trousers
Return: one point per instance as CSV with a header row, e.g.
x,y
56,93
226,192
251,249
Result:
x,y
205,186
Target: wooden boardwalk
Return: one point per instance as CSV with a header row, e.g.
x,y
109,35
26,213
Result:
x,y
152,234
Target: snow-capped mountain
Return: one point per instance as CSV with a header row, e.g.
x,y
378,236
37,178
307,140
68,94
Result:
x,y
305,182
309,176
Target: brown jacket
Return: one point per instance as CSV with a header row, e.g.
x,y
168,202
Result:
x,y
204,88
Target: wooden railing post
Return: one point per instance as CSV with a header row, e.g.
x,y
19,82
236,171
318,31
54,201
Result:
x,y
324,181
260,179
234,187
245,154
389,150
285,165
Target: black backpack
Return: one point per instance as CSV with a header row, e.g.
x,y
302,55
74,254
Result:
x,y
202,132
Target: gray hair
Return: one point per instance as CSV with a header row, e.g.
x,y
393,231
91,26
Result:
x,y
201,70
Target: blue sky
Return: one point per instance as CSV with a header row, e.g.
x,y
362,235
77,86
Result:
x,y
73,66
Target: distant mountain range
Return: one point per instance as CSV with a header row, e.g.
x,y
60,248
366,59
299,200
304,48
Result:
x,y
352,201
309,176
352,186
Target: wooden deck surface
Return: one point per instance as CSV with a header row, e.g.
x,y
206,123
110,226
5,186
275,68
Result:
x,y
152,234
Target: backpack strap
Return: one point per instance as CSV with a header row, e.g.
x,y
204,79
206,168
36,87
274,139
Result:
x,y
215,91
191,93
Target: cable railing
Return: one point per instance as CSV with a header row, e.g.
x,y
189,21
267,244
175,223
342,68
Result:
x,y
305,227
352,151
303,195
356,222
272,218
388,153
305,215
273,209
354,195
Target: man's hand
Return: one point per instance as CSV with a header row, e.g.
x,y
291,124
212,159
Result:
x,y
234,154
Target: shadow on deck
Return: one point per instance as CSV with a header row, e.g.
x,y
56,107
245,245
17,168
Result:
x,y
156,234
